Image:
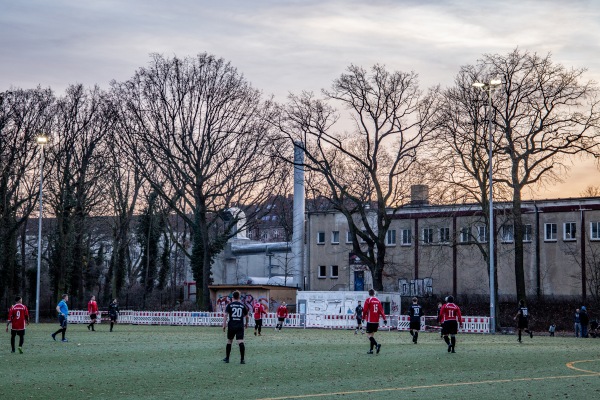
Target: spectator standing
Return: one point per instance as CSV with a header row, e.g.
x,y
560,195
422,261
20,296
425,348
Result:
x,y
577,321
584,319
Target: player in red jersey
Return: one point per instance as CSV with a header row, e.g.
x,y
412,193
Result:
x,y
451,319
259,311
282,313
92,312
372,310
18,316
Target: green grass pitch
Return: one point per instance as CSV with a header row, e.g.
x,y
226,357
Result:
x,y
170,362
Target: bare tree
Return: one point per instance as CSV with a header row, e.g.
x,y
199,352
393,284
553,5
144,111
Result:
x,y
124,183
79,159
545,113
542,114
366,170
196,130
590,191
24,114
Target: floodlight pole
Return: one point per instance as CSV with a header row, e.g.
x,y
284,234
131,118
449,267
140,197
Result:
x,y
488,88
41,140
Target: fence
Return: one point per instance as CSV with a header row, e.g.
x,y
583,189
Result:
x,y
322,321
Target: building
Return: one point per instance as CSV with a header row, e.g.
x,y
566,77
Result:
x,y
438,250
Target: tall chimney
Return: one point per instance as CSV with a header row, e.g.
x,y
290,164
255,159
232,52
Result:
x,y
298,217
419,195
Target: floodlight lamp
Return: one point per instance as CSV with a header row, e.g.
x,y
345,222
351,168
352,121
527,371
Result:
x,y
41,139
478,85
495,82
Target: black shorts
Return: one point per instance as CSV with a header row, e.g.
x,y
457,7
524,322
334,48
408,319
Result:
x,y
358,321
372,327
281,319
62,321
450,327
415,325
523,324
238,333
93,317
258,323
17,332
113,318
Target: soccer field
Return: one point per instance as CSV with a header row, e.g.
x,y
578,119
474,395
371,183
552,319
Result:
x,y
171,362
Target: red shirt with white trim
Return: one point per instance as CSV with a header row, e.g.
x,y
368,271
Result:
x,y
18,315
450,312
372,310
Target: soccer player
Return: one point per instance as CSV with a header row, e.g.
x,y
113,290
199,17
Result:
x,y
113,312
18,316
235,312
282,313
358,311
372,310
259,311
451,319
92,312
522,319
415,313
63,316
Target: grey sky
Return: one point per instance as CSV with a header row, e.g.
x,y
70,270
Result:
x,y
283,46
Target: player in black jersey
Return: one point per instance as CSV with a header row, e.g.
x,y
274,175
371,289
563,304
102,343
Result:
x,y
358,311
522,319
235,312
113,312
415,312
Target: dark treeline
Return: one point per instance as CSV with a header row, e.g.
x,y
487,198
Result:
x,y
148,177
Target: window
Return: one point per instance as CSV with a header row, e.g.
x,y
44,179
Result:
x,y
335,237
322,271
390,237
465,234
527,233
320,237
334,272
348,237
406,237
444,235
595,230
482,234
427,235
550,232
570,231
508,233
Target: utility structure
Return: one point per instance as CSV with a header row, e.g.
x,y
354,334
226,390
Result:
x,y
489,88
42,141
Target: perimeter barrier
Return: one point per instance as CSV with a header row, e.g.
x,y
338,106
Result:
x,y
319,321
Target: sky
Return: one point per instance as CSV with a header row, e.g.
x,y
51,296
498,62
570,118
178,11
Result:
x,y
284,47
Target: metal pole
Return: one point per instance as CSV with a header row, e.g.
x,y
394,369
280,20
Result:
x,y
39,255
491,221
